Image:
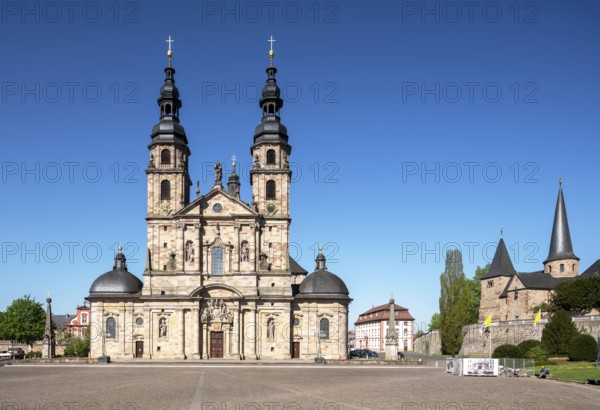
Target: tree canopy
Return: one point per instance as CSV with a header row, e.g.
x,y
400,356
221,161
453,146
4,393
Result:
x,y
24,320
454,303
577,294
474,287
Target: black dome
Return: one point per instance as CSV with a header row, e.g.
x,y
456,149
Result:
x,y
117,282
323,284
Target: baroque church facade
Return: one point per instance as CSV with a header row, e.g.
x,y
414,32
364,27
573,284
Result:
x,y
219,281
510,295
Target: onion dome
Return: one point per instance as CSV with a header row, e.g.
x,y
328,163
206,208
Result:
x,y
322,284
118,282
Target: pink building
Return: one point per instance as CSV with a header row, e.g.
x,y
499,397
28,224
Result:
x,y
372,326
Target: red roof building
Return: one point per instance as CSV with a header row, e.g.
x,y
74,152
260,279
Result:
x,y
371,328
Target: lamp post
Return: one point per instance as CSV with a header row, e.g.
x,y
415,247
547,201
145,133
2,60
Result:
x,y
319,359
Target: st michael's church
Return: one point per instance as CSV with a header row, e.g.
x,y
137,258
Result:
x,y
219,281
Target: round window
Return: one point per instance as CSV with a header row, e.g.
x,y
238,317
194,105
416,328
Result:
x,y
296,322
217,207
139,321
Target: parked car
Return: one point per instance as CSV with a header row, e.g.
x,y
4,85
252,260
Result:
x,y
16,352
355,353
369,353
400,355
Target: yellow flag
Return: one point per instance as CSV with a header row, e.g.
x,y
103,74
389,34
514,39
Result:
x,y
538,319
488,321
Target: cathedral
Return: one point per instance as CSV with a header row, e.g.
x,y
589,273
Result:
x,y
510,295
219,281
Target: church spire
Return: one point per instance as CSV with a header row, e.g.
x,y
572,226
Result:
x,y
501,264
169,129
233,182
271,129
560,243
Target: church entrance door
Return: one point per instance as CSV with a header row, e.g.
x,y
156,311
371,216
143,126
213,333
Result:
x,y
216,344
296,350
139,349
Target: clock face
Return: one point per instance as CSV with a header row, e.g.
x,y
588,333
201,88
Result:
x,y
271,209
165,208
296,322
139,321
217,207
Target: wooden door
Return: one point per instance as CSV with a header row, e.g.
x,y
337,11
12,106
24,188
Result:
x,y
296,350
216,344
139,349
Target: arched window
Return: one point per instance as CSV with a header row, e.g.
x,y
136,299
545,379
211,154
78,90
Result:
x,y
165,157
217,261
271,189
549,269
573,268
111,328
324,329
271,157
168,109
562,267
165,190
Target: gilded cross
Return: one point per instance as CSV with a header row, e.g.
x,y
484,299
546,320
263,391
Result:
x,y
170,40
271,40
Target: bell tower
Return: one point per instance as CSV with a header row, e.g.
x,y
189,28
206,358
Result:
x,y
561,261
168,178
270,175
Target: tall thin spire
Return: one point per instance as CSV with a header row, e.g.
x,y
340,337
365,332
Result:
x,y
560,242
233,183
169,129
271,129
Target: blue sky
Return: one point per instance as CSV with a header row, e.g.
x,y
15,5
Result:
x,y
414,126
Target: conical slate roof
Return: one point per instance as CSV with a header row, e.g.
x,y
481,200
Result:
x,y
560,244
501,264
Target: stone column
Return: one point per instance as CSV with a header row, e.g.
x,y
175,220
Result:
x,y
181,337
196,336
237,247
204,341
226,337
253,333
236,331
179,247
256,246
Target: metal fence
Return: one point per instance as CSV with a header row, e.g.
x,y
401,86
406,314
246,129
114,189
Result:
x,y
527,365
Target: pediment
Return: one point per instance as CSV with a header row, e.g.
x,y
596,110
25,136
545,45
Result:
x,y
218,204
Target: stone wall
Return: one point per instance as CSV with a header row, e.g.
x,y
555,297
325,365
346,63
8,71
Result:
x,y
429,343
510,332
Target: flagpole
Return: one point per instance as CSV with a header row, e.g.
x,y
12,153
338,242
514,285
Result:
x,y
490,330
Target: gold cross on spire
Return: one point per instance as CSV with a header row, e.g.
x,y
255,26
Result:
x,y
170,52
271,52
233,159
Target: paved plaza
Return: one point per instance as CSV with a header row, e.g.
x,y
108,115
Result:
x,y
277,387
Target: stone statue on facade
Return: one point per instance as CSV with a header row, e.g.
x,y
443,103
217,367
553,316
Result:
x,y
162,327
189,251
216,311
218,174
245,252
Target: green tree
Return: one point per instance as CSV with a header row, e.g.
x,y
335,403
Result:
x,y
474,286
507,351
434,322
24,320
558,333
78,347
577,294
583,348
454,303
